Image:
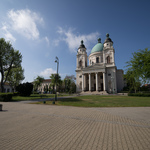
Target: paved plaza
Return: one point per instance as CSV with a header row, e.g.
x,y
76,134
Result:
x,y
47,127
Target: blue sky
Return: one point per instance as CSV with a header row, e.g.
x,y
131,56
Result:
x,y
44,29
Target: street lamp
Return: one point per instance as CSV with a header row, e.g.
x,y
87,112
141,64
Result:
x,y
56,61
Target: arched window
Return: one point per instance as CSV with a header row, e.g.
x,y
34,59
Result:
x,y
108,59
80,63
97,59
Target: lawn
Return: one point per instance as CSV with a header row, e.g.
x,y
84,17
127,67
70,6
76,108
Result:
x,y
103,101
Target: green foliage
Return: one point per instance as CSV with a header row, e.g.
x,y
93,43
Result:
x,y
15,77
37,82
5,97
140,64
139,94
25,89
69,84
9,59
55,80
132,81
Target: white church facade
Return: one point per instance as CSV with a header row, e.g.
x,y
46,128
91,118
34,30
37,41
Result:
x,y
101,75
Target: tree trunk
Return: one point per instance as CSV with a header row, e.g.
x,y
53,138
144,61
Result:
x,y
2,83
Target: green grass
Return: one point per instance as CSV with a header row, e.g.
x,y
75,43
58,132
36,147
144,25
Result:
x,y
103,101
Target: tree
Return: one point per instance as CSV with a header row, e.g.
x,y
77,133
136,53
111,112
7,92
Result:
x,y
140,64
133,83
37,82
69,84
9,59
55,78
15,77
25,89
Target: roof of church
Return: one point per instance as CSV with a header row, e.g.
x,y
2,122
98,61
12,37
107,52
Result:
x,y
47,80
108,39
98,47
82,45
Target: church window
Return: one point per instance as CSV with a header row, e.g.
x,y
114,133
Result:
x,y
85,64
101,77
97,59
92,63
80,76
108,59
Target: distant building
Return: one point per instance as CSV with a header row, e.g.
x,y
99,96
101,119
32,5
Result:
x,y
101,74
7,88
45,84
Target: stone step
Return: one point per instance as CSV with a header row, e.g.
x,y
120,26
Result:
x,y
94,93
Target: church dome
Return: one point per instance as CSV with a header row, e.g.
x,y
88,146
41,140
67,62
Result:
x,y
98,47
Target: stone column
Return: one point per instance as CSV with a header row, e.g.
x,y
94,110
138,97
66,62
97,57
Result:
x,y
104,81
96,81
113,59
89,82
104,57
83,82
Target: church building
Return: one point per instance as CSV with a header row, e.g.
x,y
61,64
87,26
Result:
x,y
101,75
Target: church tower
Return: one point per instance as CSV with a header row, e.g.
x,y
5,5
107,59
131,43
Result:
x,y
81,64
81,57
109,51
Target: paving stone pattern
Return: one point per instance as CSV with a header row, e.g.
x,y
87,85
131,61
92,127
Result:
x,y
48,127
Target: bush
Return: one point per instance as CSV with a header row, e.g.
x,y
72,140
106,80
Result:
x,y
139,94
25,89
5,97
15,94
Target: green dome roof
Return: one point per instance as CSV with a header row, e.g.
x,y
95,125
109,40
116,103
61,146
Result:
x,y
98,47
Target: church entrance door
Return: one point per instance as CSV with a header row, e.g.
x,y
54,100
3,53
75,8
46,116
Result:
x,y
102,86
94,87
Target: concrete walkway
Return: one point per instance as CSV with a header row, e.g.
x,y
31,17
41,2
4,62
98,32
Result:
x,y
47,127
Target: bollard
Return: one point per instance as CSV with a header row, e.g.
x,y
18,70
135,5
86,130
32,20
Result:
x,y
1,107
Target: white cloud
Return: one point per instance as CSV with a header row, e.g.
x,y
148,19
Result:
x,y
47,72
47,40
25,22
7,34
73,40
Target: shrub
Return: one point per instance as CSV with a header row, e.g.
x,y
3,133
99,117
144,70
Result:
x,y
25,89
139,94
15,94
5,97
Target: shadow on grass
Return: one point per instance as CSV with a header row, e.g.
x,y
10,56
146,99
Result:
x,y
69,100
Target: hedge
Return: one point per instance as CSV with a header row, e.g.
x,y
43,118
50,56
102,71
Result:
x,y
139,94
5,97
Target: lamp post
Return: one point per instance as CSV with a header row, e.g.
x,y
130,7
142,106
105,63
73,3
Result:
x,y
56,61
